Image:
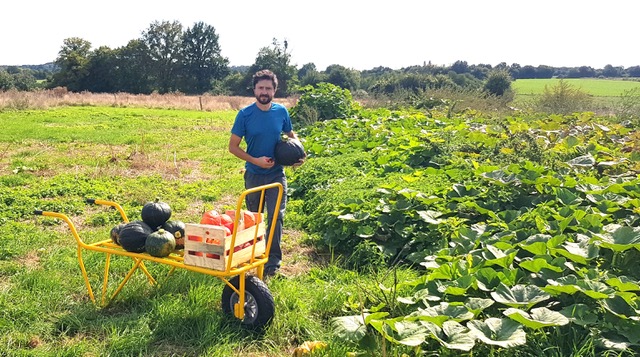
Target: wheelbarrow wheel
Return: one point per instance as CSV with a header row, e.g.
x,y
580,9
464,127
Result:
x,y
258,301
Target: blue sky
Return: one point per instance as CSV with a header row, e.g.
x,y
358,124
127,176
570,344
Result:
x,y
356,34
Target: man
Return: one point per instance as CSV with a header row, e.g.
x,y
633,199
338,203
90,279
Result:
x,y
261,124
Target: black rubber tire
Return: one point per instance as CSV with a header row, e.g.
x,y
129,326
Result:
x,y
258,301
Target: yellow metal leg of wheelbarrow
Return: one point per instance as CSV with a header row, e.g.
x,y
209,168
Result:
x,y
138,263
238,308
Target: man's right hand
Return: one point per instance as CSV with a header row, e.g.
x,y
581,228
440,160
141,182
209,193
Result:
x,y
265,162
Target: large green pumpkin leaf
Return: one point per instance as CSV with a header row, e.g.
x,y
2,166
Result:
x,y
443,312
629,329
494,256
537,264
579,251
566,197
539,317
488,279
430,217
365,231
408,333
457,287
614,341
505,333
453,335
583,161
622,283
580,314
519,295
501,177
621,238
477,305
595,289
349,328
472,233
354,217
620,307
535,248
565,285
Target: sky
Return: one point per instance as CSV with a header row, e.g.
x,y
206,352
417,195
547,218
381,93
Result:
x,y
355,34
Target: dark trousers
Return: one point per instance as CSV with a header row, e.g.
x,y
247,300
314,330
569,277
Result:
x,y
271,196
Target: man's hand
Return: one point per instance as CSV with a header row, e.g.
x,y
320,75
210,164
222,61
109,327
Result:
x,y
265,162
300,162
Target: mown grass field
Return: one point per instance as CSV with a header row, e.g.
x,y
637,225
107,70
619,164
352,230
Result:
x,y
595,87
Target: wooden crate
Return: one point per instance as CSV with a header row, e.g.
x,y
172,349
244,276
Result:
x,y
209,247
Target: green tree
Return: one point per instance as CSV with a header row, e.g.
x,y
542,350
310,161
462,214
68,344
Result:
x,y
611,71
633,71
236,83
460,67
132,68
6,81
72,63
306,68
543,71
527,72
277,59
343,77
202,61
163,41
24,81
498,82
101,76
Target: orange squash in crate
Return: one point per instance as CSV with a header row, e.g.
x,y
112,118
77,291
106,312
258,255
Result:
x,y
211,217
209,246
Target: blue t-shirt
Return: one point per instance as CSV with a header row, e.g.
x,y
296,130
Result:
x,y
262,130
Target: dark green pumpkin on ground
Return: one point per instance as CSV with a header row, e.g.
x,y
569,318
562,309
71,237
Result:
x,y
160,243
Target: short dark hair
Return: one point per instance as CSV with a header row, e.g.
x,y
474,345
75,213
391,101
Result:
x,y
265,74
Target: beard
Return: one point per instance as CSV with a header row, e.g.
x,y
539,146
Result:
x,y
264,99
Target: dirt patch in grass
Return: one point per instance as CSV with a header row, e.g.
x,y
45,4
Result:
x,y
30,261
299,255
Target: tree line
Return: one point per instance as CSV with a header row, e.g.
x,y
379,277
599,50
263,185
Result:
x,y
171,58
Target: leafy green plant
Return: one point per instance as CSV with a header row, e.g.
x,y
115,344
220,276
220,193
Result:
x,y
562,98
498,82
325,101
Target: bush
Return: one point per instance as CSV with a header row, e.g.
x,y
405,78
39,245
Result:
x,y
498,82
563,98
326,101
629,104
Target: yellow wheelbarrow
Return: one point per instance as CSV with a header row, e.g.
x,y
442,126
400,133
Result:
x,y
207,250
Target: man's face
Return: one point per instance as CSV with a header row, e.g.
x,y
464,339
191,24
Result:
x,y
264,91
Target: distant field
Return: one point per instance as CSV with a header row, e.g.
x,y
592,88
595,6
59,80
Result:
x,y
595,87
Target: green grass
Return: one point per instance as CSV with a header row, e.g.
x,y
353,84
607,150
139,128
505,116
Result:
x,y
53,159
595,87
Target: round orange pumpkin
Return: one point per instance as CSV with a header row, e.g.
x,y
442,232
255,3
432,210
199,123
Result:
x,y
211,217
249,219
